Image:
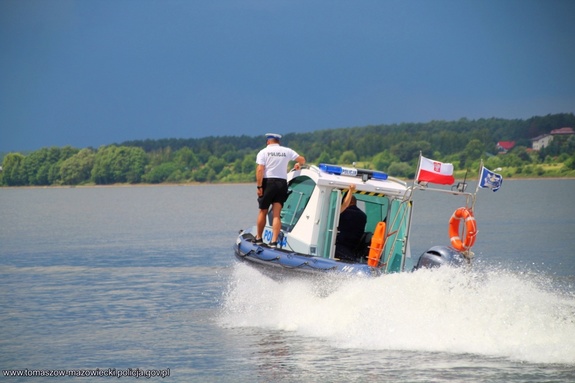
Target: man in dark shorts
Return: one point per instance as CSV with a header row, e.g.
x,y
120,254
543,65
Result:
x,y
271,177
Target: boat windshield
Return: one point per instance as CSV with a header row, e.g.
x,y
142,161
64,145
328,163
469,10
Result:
x,y
375,207
299,193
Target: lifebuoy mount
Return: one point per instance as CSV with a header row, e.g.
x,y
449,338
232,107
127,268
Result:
x,y
466,215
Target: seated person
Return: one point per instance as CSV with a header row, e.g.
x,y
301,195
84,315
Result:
x,y
351,227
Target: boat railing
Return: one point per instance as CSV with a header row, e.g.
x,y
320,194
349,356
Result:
x,y
395,229
457,190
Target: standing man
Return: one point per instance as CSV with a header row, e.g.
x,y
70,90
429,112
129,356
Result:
x,y
271,177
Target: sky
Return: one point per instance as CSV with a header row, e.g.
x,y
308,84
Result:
x,y
88,73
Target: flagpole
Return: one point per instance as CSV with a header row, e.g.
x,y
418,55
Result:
x,y
417,169
479,177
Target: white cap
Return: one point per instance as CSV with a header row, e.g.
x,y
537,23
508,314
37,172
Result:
x,y
274,136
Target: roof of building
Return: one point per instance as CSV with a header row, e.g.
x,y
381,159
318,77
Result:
x,y
507,145
540,137
565,130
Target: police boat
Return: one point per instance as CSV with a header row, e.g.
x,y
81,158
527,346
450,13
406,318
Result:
x,y
310,220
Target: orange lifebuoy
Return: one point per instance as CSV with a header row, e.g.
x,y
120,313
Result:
x,y
462,214
376,247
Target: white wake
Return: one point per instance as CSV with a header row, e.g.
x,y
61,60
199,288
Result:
x,y
493,313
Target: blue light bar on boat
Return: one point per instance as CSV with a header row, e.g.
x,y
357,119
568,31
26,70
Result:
x,y
345,171
338,170
330,169
379,175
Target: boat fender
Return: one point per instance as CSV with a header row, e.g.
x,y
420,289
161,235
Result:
x,y
376,247
462,214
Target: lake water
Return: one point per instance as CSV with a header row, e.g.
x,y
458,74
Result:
x,y
142,281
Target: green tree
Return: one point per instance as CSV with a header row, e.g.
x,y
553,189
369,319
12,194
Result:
x,y
382,160
114,164
216,163
493,162
160,173
473,151
248,164
237,166
136,165
324,158
348,157
78,168
36,166
42,167
570,163
159,156
522,153
511,159
177,176
408,150
401,169
186,157
13,170
204,174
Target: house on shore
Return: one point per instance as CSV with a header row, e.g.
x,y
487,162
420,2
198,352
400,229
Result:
x,y
505,146
544,140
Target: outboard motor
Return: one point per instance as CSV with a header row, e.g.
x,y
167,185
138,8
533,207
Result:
x,y
440,255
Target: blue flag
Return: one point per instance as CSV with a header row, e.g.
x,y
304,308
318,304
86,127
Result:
x,y
490,180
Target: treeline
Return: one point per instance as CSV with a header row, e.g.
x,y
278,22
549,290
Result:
x,y
392,148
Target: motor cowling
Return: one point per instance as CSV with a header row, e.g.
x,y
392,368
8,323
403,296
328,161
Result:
x,y
440,255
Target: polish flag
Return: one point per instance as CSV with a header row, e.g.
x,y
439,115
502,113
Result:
x,y
435,172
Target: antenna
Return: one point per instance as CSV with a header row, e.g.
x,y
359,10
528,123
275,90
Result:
x,y
461,186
